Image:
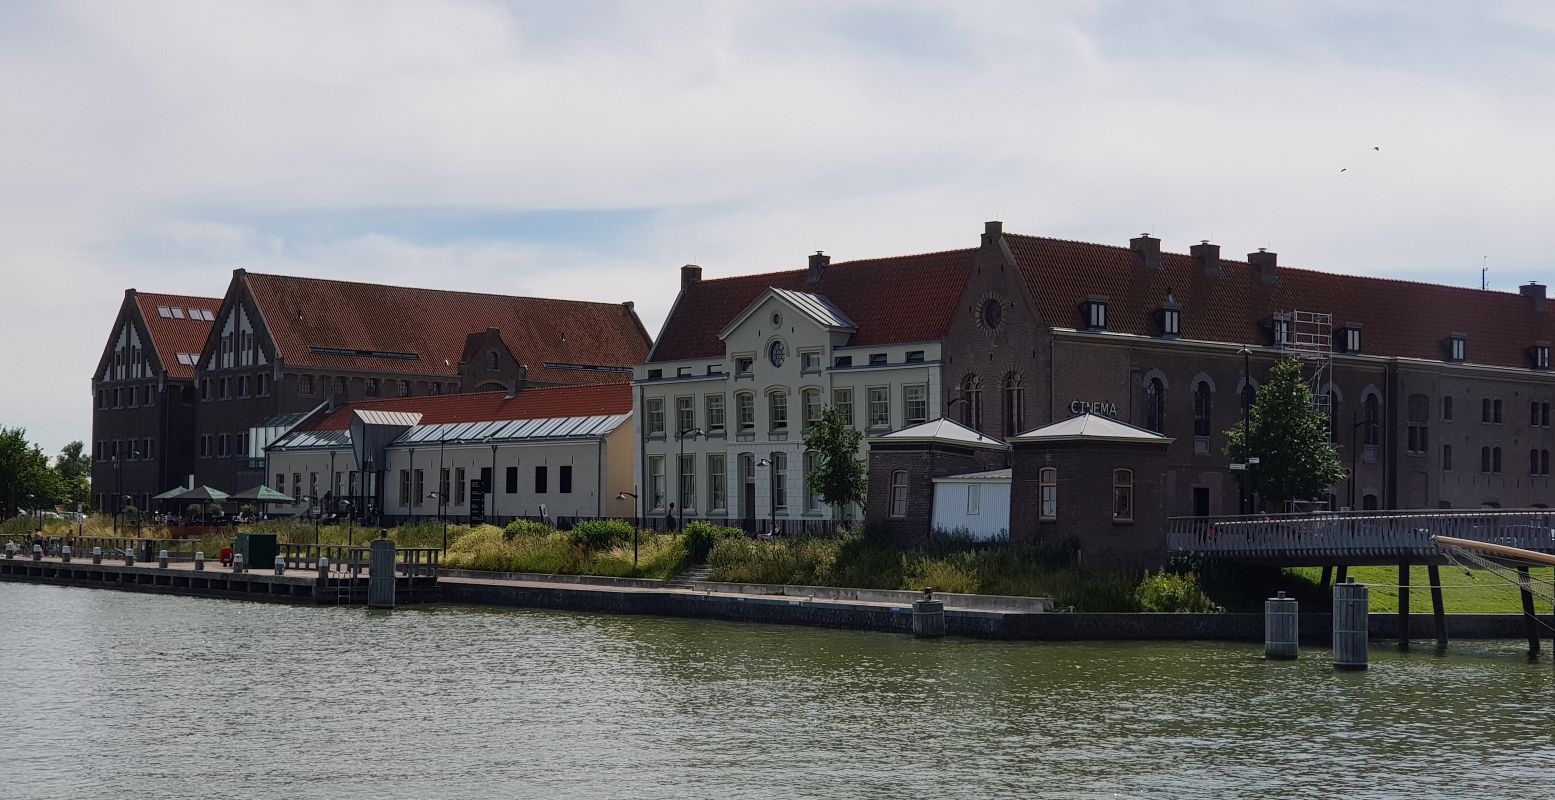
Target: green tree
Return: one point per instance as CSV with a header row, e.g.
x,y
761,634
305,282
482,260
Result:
x,y
840,477
1289,437
73,465
26,481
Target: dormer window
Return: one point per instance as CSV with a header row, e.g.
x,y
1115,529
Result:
x,y
1281,331
1171,316
655,374
1541,355
744,365
1096,313
1352,338
1457,347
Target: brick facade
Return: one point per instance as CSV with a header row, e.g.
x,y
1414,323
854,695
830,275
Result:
x,y
1085,483
922,462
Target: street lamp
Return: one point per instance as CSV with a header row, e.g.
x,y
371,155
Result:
x,y
118,487
1247,442
350,521
313,508
954,400
440,499
771,493
623,496
680,476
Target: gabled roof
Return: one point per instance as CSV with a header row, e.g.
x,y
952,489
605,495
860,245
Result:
x,y
817,308
546,403
374,416
1397,318
990,476
942,430
171,334
889,300
1091,428
329,324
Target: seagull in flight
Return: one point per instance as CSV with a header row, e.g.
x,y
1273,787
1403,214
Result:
x,y
1346,169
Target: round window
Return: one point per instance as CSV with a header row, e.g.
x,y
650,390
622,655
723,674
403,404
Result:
x,y
993,313
775,354
777,319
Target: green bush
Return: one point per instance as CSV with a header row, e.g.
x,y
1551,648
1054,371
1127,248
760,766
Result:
x,y
1165,591
700,537
491,550
601,534
524,527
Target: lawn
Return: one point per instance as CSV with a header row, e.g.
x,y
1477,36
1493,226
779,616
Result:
x,y
1479,592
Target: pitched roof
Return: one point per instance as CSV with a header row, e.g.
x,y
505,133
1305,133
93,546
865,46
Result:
x,y
1397,318
942,430
1091,428
170,334
546,403
992,476
563,341
901,299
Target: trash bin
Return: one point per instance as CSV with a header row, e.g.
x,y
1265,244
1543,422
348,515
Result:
x,y
257,548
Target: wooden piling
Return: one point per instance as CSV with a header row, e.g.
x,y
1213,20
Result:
x,y
1351,614
1403,606
1281,628
1438,608
928,617
1530,620
380,573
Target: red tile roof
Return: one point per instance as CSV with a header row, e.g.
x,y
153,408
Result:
x,y
304,313
547,403
173,336
901,299
1397,318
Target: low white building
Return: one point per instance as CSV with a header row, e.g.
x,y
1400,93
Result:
x,y
561,452
975,503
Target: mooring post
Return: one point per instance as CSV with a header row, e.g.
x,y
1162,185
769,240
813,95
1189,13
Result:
x,y
1281,627
928,616
237,562
1530,621
280,565
10,550
97,555
37,552
1438,608
1351,613
129,556
323,568
380,572
64,554
162,559
1403,606
199,561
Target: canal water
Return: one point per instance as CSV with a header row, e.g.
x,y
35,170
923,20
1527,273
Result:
x,y
111,694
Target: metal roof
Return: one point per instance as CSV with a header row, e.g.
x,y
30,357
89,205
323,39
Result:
x,y
376,417
1091,427
492,432
817,308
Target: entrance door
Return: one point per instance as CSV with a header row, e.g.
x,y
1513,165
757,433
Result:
x,y
748,490
1201,501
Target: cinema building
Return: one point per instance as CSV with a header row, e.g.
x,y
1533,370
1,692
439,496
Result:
x,y
1438,396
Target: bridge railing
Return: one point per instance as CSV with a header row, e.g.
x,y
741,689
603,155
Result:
x,y
415,562
1357,534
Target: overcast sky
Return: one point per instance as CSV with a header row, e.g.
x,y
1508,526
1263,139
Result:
x,y
587,150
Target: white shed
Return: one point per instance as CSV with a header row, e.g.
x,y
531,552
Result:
x,y
976,502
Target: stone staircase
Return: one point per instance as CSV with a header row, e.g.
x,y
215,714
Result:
x,y
695,572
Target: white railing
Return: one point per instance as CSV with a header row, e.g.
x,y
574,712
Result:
x,y
1357,534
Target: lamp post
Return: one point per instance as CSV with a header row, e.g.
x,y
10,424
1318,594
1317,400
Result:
x,y
963,399
137,521
680,521
623,496
313,508
440,499
1247,442
118,487
771,493
350,522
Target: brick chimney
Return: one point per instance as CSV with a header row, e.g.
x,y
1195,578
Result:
x,y
1149,249
1263,263
1534,291
1208,256
690,274
993,231
818,264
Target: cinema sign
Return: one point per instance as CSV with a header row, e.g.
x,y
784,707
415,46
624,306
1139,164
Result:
x,y
1098,407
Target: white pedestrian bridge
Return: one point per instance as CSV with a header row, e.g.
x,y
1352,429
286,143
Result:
x,y
1356,537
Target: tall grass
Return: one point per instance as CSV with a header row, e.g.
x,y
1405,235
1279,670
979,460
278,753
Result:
x,y
551,552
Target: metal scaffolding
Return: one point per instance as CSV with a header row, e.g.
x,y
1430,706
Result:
x,y
1309,336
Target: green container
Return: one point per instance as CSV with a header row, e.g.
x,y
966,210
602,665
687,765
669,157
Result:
x,y
258,549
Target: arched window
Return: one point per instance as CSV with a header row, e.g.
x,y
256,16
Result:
x,y
1155,405
1014,403
1369,502
1544,462
972,409
491,359
1533,461
1373,426
1122,495
1333,415
1495,460
1484,460
1201,409
745,410
1047,482
1447,458
1496,411
780,482
899,494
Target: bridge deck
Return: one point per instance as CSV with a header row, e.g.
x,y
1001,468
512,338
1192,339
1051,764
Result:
x,y
1355,538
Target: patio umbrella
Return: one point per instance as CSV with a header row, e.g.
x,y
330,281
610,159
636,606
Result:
x,y
263,494
170,494
204,494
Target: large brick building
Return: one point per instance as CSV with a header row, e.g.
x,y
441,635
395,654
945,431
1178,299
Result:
x,y
276,347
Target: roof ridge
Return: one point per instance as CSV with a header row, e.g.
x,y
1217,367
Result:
x,y
857,262
310,279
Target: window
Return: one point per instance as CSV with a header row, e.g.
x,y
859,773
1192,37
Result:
x,y
491,359
776,353
899,494
1541,356
542,478
745,410
434,388
1333,415
972,409
842,400
656,482
717,488
404,388
685,414
1495,412
974,499
777,410
655,374
743,366
1484,410
1457,348
812,499
810,361
1155,405
280,483
340,387
1495,460
1533,413
780,482
1416,441
1352,340
1014,403
715,413
305,385
1544,414
879,407
421,486
842,362
1447,458
242,448
654,410
205,446
1373,427
1122,495
1171,322
444,494
1201,409
1447,408
510,478
374,388
164,312
242,386
458,486
915,404
1096,314
102,398
1544,462
810,401
297,487
877,359
1281,331
688,482
1533,462
1484,460
915,356
1047,483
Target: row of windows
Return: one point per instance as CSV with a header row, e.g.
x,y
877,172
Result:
x,y
125,450
339,386
453,486
914,406
241,386
127,397
130,364
1490,460
1013,385
224,445
809,362
716,471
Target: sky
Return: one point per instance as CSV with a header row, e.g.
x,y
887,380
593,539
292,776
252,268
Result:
x,y
588,149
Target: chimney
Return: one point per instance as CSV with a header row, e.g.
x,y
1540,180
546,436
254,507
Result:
x,y
1208,256
690,274
1149,249
818,264
1263,262
1534,291
993,230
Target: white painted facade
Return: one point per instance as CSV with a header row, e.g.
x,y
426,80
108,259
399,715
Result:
x,y
751,406
978,503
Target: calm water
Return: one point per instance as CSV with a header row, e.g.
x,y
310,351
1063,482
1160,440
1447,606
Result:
x,y
118,695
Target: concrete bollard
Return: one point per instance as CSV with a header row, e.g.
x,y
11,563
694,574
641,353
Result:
x,y
280,565
199,561
323,568
1281,627
380,572
129,557
162,559
928,617
237,562
97,555
37,552
10,550
64,554
1351,609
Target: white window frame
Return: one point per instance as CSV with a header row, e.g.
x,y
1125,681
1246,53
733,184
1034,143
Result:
x,y
656,489
777,409
716,412
653,416
717,482
842,399
974,499
908,415
745,410
882,403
